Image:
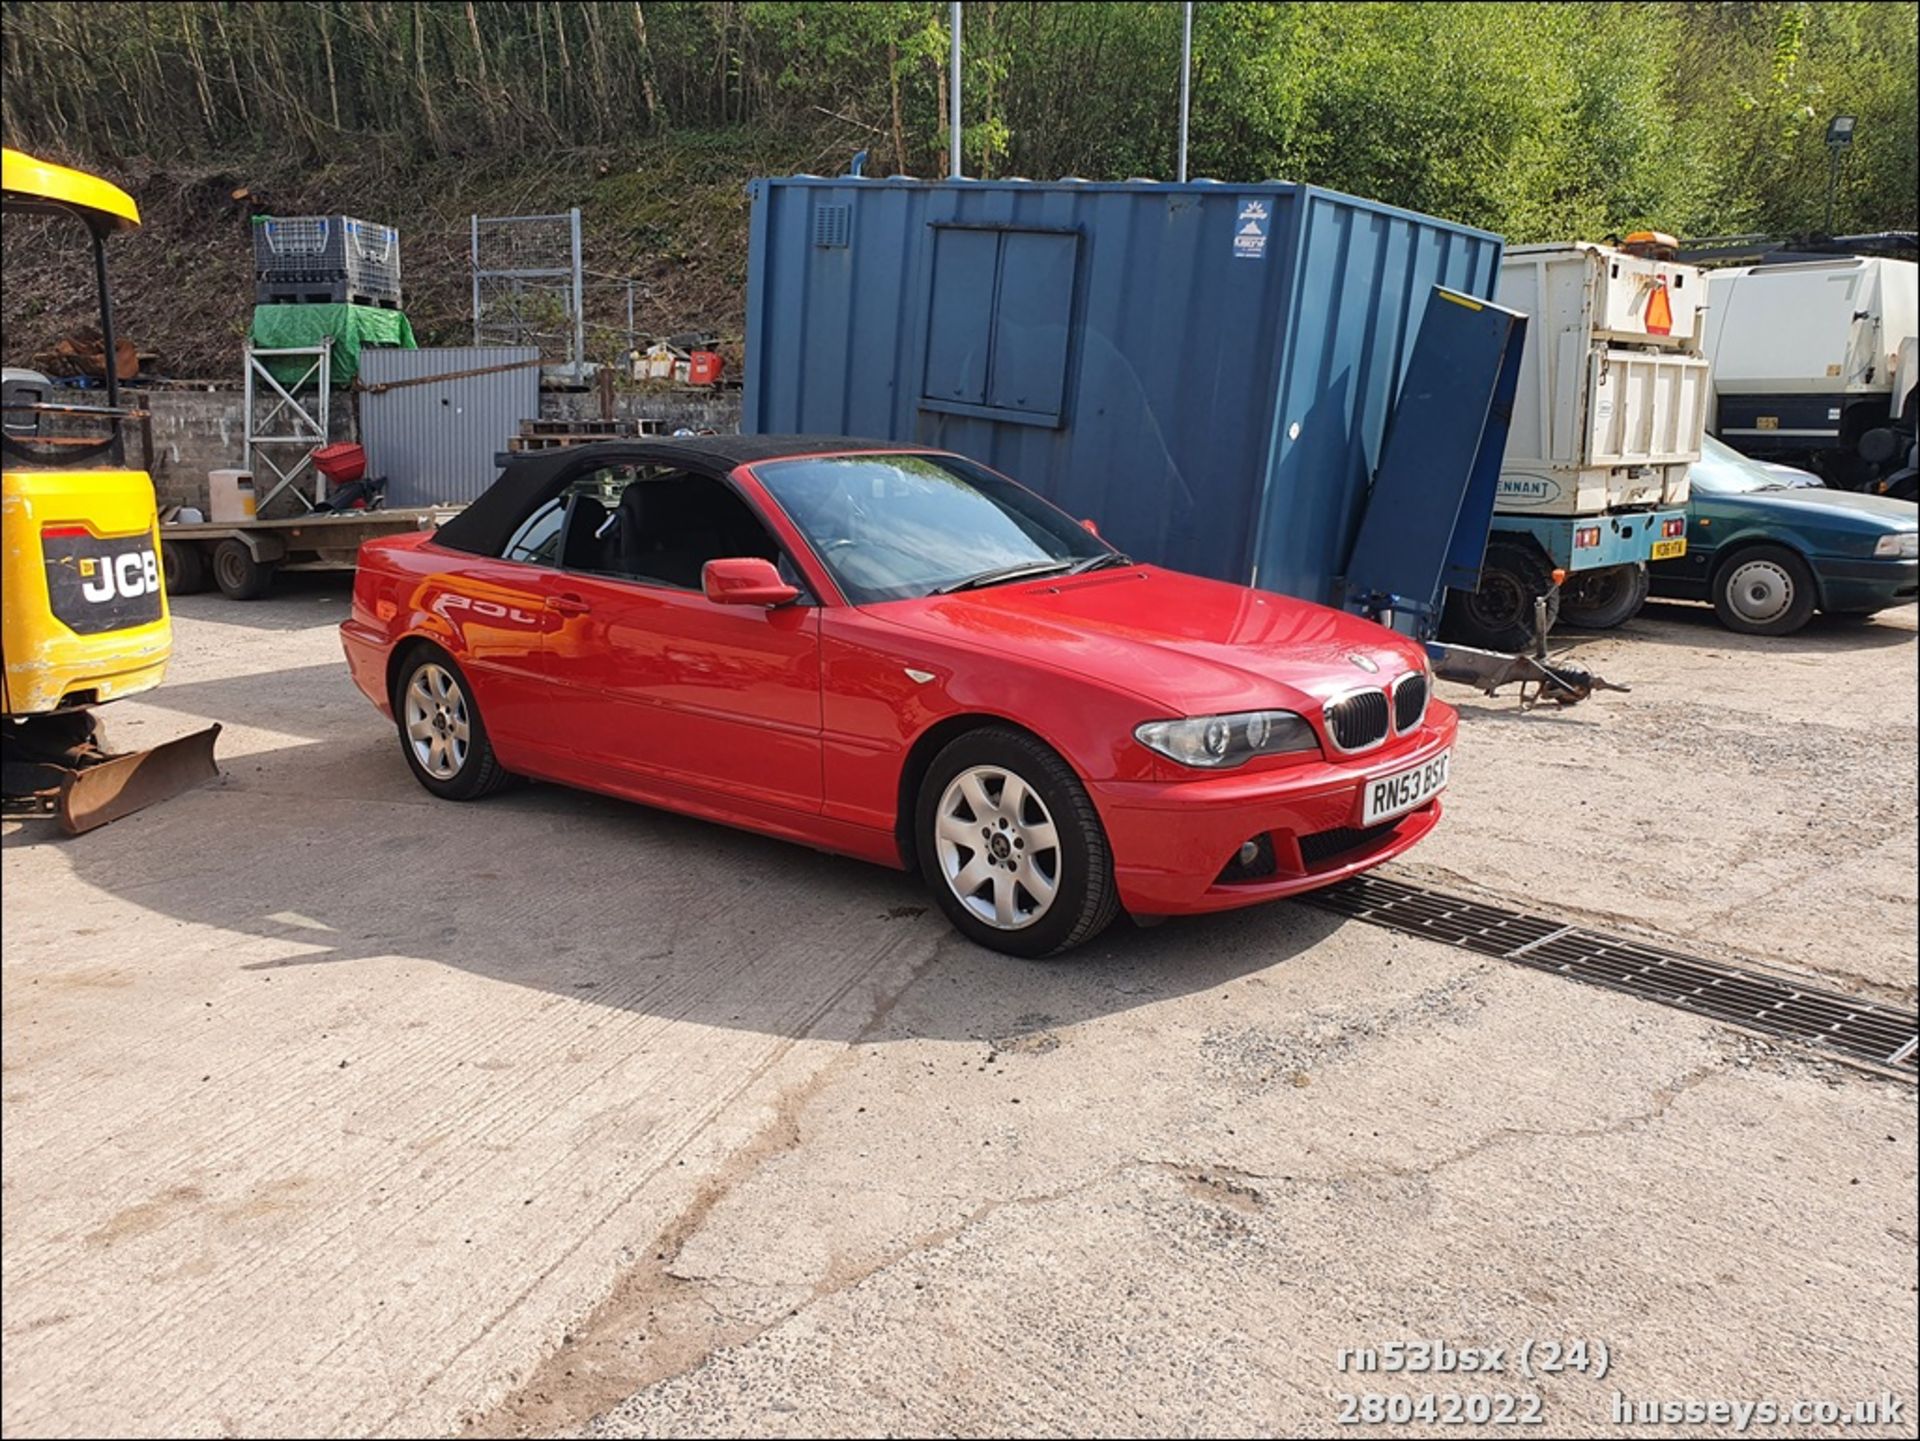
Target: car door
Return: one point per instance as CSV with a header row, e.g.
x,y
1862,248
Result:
x,y
654,681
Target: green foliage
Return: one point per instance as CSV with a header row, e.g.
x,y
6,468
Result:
x,y
1538,120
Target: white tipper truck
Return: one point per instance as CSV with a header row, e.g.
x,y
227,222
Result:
x,y
1816,363
1611,405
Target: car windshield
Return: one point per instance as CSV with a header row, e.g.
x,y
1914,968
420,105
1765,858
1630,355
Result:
x,y
1722,470
892,526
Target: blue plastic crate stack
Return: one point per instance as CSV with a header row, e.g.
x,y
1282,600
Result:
x,y
325,260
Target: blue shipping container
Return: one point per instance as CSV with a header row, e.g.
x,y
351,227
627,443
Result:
x,y
1206,370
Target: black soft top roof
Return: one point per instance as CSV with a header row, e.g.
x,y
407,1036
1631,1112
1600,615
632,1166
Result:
x,y
486,525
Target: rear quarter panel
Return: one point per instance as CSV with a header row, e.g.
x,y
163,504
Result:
x,y
489,615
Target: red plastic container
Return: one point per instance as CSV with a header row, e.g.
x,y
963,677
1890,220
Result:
x,y
341,463
704,367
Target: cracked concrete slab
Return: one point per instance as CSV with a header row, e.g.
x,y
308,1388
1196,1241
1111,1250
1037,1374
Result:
x,y
331,1109
1189,1256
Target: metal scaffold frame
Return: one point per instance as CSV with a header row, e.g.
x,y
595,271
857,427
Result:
x,y
282,438
528,286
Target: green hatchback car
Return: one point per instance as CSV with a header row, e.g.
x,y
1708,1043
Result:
x,y
1768,553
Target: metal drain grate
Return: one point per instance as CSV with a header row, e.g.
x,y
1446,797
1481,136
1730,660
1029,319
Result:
x,y
1855,1029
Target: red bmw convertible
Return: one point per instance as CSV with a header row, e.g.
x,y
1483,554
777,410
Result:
x,y
898,654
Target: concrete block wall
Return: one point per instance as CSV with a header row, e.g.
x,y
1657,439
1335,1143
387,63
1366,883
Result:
x,y
194,431
699,409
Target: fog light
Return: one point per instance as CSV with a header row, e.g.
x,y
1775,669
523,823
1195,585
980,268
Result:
x,y
1249,852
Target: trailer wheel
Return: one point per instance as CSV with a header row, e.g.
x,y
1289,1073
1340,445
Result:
x,y
1605,598
185,564
1499,615
238,574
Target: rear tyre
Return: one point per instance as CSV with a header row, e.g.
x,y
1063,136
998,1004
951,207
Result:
x,y
441,733
238,574
1603,599
1011,846
1764,590
185,565
1499,615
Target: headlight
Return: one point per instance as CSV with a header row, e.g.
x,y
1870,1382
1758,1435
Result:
x,y
1217,742
1905,545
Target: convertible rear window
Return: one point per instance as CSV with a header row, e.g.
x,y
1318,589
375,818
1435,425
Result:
x,y
893,526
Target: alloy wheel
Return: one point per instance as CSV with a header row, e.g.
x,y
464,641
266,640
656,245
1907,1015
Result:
x,y
998,847
439,729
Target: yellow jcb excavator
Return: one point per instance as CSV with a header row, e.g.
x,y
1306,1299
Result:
x,y
83,607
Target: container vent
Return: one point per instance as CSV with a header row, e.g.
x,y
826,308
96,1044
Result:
x,y
833,226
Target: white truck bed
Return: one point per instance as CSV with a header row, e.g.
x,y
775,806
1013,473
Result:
x,y
1608,414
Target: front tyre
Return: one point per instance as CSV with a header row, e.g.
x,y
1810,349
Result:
x,y
1499,614
1011,846
441,733
1764,590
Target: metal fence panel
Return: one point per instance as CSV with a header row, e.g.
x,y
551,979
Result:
x,y
435,442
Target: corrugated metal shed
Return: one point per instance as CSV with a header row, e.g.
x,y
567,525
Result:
x,y
1206,370
435,439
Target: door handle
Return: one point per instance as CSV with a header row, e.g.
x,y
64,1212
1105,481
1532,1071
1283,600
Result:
x,y
568,604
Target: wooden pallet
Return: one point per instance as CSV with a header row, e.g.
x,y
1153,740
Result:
x,y
520,444
592,429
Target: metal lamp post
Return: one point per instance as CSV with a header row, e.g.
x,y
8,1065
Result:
x,y
1839,137
953,99
1186,80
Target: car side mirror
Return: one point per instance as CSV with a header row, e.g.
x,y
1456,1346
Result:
x,y
745,580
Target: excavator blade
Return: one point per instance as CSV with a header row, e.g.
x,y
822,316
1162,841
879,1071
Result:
x,y
97,794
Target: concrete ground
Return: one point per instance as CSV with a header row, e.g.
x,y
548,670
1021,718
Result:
x,y
329,1108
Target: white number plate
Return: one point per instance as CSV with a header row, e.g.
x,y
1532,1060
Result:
x,y
1399,793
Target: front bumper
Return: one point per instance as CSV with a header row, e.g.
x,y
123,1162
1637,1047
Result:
x,y
1864,585
1173,840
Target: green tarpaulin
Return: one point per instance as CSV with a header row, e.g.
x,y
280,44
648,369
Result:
x,y
277,327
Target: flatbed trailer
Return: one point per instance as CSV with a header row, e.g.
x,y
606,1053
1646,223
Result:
x,y
243,557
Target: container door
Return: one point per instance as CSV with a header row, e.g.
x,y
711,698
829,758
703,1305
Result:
x,y
1427,517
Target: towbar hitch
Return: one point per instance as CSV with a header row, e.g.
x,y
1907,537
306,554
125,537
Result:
x,y
1539,677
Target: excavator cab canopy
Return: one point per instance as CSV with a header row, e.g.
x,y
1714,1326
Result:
x,y
39,433
38,186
